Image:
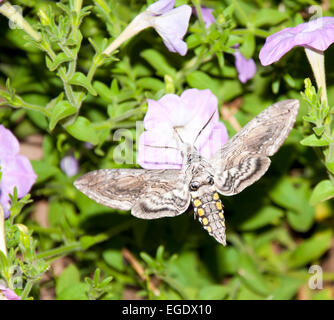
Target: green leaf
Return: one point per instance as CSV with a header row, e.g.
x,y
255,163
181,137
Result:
x,y
313,141
60,111
267,16
201,80
88,241
330,166
324,190
80,79
114,258
293,194
324,294
228,260
302,220
38,119
248,46
83,130
43,170
60,58
213,292
310,250
264,216
77,291
251,277
158,62
319,130
103,91
150,83
4,264
69,277
287,288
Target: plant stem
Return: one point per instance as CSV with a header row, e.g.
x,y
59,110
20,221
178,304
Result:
x,y
75,246
68,88
197,5
3,246
92,71
34,107
27,289
241,11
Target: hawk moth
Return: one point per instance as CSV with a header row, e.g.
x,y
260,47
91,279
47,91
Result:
x,y
152,194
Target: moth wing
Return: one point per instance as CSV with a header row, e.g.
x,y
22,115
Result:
x,y
244,158
150,194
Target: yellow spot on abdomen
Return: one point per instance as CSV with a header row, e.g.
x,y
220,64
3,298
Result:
x,y
197,202
219,205
200,212
208,229
205,221
215,196
221,215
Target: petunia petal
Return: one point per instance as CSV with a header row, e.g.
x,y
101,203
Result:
x,y
161,6
7,293
158,158
207,16
69,165
217,139
317,34
172,26
202,104
17,172
246,67
276,47
191,118
9,145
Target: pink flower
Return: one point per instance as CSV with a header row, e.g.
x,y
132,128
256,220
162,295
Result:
x,y
69,165
246,67
187,115
171,24
317,34
16,169
207,16
7,294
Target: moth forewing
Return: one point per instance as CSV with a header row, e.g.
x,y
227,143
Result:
x,y
244,158
150,194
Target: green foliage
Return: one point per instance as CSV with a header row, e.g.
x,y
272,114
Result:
x,y
64,89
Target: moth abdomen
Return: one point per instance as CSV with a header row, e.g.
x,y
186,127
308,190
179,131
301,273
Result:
x,y
209,210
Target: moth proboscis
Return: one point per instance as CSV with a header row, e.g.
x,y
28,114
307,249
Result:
x,y
152,194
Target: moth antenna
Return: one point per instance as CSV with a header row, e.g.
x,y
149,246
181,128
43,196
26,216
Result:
x,y
161,147
178,135
199,133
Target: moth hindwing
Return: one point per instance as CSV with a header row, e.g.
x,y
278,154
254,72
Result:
x,y
152,194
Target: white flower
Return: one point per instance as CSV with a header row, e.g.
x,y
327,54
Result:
x,y
171,24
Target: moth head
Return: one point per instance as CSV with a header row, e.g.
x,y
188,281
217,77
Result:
x,y
195,184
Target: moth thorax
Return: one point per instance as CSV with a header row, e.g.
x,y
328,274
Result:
x,y
209,210
193,157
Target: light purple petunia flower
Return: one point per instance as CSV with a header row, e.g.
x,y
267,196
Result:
x,y
246,67
69,165
207,16
187,114
16,169
5,293
317,34
171,24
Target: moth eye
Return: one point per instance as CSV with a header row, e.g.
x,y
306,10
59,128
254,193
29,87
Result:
x,y
193,186
210,180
